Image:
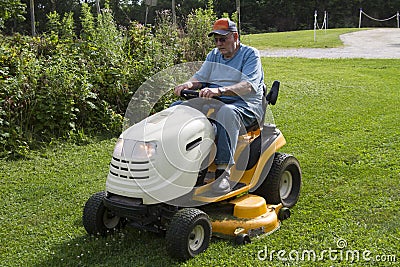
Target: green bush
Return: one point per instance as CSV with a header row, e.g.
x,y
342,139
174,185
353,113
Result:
x,y
69,86
196,43
18,80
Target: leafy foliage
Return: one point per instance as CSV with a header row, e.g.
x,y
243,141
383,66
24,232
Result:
x,y
66,85
197,45
255,16
11,9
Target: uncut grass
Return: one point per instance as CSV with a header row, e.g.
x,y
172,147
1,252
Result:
x,y
340,119
298,39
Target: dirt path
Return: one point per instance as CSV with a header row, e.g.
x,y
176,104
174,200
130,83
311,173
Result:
x,y
377,43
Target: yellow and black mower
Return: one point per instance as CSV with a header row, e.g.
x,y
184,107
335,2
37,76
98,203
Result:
x,y
161,176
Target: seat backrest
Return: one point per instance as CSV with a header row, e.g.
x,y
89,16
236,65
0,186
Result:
x,y
272,95
270,98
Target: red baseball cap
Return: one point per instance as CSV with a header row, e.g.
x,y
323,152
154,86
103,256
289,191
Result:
x,y
223,27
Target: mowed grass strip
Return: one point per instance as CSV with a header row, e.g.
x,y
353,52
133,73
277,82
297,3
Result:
x,y
298,39
340,119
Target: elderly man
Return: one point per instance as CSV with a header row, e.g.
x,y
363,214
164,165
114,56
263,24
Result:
x,y
233,72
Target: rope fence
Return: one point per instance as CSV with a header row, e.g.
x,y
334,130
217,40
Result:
x,y
380,20
324,25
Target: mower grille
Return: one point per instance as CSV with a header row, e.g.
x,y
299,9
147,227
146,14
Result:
x,y
129,169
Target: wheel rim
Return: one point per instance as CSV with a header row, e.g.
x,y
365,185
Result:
x,y
110,221
285,186
196,238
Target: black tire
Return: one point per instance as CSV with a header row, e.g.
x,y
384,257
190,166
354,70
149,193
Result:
x,y
283,182
188,233
97,219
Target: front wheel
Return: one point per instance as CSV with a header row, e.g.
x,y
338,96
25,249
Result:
x,y
188,233
97,219
283,182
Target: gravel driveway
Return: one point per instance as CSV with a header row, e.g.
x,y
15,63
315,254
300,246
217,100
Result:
x,y
377,43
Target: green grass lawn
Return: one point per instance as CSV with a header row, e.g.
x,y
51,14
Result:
x,y
341,120
297,39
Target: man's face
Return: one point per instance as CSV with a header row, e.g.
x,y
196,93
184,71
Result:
x,y
226,44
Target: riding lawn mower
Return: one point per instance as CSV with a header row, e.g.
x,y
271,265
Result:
x,y
161,179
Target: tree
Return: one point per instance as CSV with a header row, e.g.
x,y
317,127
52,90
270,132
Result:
x,y
256,15
32,12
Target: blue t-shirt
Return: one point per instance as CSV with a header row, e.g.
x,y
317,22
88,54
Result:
x,y
245,65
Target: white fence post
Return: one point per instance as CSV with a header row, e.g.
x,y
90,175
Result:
x,y
315,26
359,21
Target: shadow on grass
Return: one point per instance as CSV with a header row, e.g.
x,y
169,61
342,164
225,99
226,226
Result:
x,y
129,247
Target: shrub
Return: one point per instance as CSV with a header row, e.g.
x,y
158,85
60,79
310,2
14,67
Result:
x,y
196,43
18,80
69,86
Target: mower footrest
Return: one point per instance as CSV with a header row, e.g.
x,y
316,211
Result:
x,y
234,186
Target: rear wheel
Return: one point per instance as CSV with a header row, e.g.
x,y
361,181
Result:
x,y
283,182
97,219
188,233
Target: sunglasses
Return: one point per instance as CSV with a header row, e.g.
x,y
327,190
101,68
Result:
x,y
221,39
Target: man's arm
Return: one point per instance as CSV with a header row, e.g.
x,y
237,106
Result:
x,y
241,88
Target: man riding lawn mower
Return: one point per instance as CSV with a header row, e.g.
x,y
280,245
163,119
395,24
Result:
x,y
157,182
207,166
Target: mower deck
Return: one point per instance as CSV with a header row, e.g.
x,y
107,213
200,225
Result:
x,y
249,215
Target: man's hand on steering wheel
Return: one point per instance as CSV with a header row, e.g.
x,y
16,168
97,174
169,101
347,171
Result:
x,y
209,92
183,86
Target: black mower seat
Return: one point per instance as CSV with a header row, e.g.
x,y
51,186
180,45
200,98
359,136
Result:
x,y
270,98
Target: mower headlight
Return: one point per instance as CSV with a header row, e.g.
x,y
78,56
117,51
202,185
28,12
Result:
x,y
118,147
144,150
